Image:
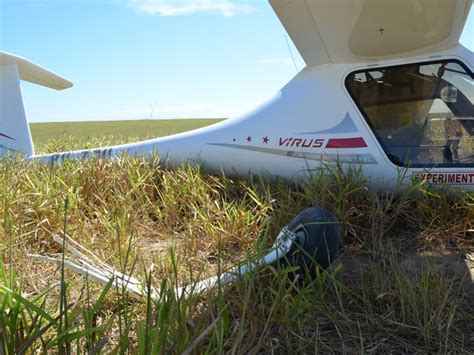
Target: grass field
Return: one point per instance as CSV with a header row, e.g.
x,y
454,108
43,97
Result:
x,y
118,131
400,283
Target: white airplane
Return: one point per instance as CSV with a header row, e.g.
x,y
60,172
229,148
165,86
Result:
x,y
386,88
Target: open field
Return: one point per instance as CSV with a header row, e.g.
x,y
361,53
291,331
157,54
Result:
x,y
116,130
400,283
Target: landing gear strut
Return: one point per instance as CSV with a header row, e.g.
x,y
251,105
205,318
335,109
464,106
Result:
x,y
310,240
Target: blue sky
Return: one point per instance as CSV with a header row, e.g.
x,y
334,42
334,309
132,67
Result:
x,y
140,59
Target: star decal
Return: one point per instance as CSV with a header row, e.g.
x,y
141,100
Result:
x,y
249,139
265,140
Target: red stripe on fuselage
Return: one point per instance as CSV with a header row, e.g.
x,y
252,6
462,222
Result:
x,y
4,135
358,142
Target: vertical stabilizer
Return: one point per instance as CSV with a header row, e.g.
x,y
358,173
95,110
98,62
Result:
x,y
15,136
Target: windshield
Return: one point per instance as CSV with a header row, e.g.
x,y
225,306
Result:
x,y
422,114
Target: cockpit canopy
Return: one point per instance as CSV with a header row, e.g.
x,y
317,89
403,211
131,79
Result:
x,y
422,114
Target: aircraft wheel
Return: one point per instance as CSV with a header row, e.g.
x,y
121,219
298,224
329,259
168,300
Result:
x,y
317,243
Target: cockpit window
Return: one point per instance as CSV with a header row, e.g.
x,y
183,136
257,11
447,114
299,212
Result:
x,y
422,114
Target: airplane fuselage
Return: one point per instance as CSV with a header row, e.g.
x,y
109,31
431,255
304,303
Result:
x,y
316,120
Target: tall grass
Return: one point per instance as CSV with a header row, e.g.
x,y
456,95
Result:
x,y
399,285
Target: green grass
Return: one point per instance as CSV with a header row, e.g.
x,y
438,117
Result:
x,y
122,130
400,283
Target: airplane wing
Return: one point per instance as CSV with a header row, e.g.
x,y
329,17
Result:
x,y
34,73
335,31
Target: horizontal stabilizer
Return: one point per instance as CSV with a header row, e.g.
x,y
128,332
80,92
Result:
x,y
34,73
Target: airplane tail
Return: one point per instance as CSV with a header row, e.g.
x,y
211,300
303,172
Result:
x,y
15,136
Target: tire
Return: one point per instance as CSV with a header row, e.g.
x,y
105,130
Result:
x,y
317,243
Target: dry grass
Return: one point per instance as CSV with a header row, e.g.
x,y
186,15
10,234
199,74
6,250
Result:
x,y
399,285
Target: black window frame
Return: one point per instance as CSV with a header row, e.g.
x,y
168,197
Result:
x,y
374,130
